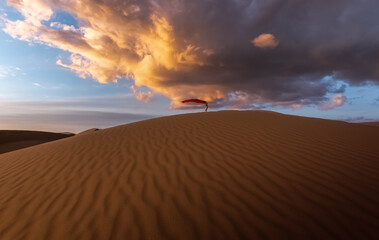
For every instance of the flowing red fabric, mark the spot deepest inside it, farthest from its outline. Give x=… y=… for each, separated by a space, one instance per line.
x=194 y=100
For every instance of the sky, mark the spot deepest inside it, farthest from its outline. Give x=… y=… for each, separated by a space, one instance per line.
x=71 y=65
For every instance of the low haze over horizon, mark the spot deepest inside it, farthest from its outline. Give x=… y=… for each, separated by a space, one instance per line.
x=70 y=65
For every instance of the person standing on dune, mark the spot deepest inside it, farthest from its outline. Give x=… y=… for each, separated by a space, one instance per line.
x=197 y=101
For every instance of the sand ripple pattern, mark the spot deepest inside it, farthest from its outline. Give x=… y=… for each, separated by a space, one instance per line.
x=215 y=175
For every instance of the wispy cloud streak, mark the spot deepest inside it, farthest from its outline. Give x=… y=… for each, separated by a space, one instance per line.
x=8 y=71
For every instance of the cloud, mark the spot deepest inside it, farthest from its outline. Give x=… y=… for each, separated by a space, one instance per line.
x=202 y=49
x=8 y=71
x=355 y=119
x=338 y=100
x=73 y=114
x=69 y=121
x=265 y=40
x=142 y=96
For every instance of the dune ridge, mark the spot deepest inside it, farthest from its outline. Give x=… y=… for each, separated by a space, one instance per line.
x=376 y=124
x=11 y=140
x=215 y=175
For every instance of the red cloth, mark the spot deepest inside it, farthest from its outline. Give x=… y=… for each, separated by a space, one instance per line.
x=194 y=100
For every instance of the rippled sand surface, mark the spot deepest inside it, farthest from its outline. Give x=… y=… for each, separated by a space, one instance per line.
x=215 y=175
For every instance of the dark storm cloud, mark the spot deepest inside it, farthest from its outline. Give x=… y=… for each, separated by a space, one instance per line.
x=246 y=53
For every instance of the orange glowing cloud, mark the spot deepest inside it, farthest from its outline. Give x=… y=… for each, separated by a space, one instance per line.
x=112 y=44
x=265 y=40
x=142 y=96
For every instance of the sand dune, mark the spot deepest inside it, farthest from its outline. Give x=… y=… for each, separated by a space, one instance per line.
x=215 y=175
x=88 y=131
x=14 y=140
x=376 y=124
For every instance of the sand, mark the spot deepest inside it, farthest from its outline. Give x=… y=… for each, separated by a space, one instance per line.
x=14 y=140
x=215 y=175
x=89 y=131
x=376 y=124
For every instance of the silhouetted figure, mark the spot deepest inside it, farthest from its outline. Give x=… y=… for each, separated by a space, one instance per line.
x=197 y=101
